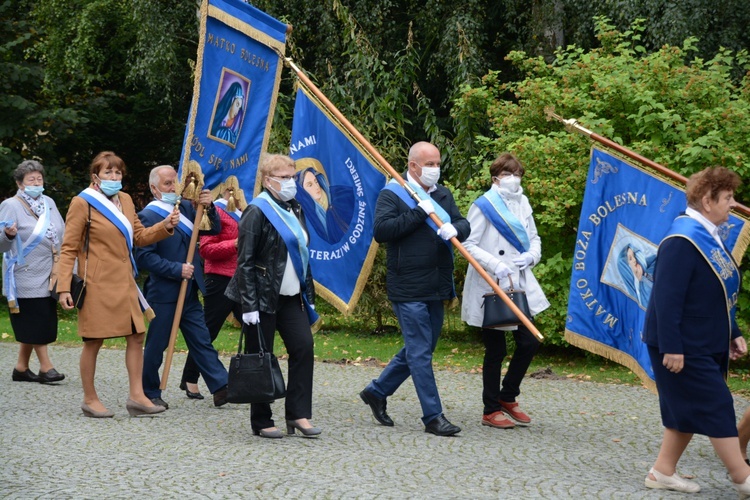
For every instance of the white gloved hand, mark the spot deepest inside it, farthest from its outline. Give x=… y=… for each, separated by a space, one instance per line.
x=502 y=271
x=523 y=261
x=251 y=318
x=447 y=231
x=427 y=206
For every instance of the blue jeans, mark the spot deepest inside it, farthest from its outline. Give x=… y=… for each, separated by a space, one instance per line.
x=420 y=323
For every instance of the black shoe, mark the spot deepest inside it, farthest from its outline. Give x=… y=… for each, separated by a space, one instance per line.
x=220 y=397
x=50 y=376
x=441 y=427
x=160 y=402
x=377 y=405
x=191 y=395
x=27 y=376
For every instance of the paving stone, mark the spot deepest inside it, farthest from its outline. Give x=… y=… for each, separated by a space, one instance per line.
x=586 y=440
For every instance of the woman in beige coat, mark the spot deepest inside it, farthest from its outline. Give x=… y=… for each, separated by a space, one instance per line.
x=113 y=304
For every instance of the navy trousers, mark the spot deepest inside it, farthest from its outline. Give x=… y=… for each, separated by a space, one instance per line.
x=197 y=338
x=216 y=307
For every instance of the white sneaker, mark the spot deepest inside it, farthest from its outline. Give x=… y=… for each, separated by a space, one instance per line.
x=673 y=482
x=743 y=489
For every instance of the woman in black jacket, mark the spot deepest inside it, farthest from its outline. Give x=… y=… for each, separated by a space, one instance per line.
x=274 y=285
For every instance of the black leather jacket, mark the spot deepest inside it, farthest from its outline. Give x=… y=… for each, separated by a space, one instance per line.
x=261 y=261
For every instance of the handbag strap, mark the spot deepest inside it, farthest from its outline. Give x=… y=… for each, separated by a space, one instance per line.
x=511 y=283
x=86 y=247
x=261 y=342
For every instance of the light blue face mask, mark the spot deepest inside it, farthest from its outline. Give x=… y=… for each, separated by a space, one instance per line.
x=110 y=188
x=170 y=198
x=33 y=191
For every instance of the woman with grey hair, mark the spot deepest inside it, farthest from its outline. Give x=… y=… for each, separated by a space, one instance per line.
x=30 y=242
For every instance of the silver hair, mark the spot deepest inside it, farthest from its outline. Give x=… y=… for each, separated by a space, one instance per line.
x=26 y=167
x=153 y=177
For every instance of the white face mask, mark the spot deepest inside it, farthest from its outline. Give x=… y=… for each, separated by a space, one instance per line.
x=288 y=189
x=511 y=183
x=430 y=176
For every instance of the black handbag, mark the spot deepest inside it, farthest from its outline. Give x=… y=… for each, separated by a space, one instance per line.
x=78 y=284
x=254 y=377
x=497 y=313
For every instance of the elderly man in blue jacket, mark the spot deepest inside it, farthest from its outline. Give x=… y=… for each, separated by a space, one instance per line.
x=419 y=278
x=166 y=263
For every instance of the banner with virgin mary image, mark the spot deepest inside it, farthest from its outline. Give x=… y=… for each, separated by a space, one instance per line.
x=237 y=76
x=337 y=185
x=626 y=211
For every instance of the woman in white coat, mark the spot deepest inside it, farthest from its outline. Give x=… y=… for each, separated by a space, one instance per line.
x=505 y=242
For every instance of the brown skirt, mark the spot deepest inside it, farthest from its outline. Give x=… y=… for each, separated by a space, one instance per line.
x=37 y=321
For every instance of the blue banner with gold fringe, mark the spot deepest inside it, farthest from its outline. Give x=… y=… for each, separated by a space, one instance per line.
x=238 y=70
x=338 y=183
x=626 y=212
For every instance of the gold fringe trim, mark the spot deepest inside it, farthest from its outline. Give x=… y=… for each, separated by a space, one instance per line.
x=150 y=314
x=13 y=306
x=743 y=240
x=245 y=28
x=612 y=354
x=322 y=107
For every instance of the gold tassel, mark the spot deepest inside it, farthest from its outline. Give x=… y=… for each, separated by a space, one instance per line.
x=205 y=222
x=13 y=306
x=191 y=181
x=231 y=202
x=189 y=192
x=150 y=314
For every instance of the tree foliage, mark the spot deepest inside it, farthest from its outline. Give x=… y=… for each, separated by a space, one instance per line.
x=684 y=116
x=81 y=76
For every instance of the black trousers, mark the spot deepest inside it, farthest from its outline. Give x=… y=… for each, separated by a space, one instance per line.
x=495 y=350
x=294 y=328
x=216 y=308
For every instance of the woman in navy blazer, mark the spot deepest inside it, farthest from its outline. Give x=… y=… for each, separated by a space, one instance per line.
x=691 y=333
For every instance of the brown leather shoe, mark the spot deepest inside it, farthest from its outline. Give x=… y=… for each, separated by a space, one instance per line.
x=514 y=411
x=220 y=397
x=498 y=420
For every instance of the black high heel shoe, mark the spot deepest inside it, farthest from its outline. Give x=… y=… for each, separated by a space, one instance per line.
x=306 y=431
x=191 y=395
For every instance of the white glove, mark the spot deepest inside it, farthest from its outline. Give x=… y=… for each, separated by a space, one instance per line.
x=427 y=206
x=251 y=318
x=447 y=231
x=502 y=271
x=523 y=261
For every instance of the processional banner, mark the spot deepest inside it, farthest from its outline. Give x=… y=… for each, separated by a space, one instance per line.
x=338 y=183
x=237 y=75
x=626 y=211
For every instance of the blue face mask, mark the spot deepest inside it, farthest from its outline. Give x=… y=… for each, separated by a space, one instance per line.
x=33 y=191
x=170 y=198
x=110 y=188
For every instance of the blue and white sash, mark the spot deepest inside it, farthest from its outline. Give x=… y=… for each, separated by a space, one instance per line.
x=497 y=212
x=108 y=209
x=164 y=209
x=222 y=204
x=401 y=192
x=290 y=230
x=18 y=255
x=716 y=255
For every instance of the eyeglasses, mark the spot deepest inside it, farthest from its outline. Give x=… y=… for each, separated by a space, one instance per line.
x=281 y=177
x=509 y=174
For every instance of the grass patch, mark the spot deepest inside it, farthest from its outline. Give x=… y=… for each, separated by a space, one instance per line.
x=352 y=341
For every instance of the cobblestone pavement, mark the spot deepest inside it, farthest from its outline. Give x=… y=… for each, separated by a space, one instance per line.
x=586 y=441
